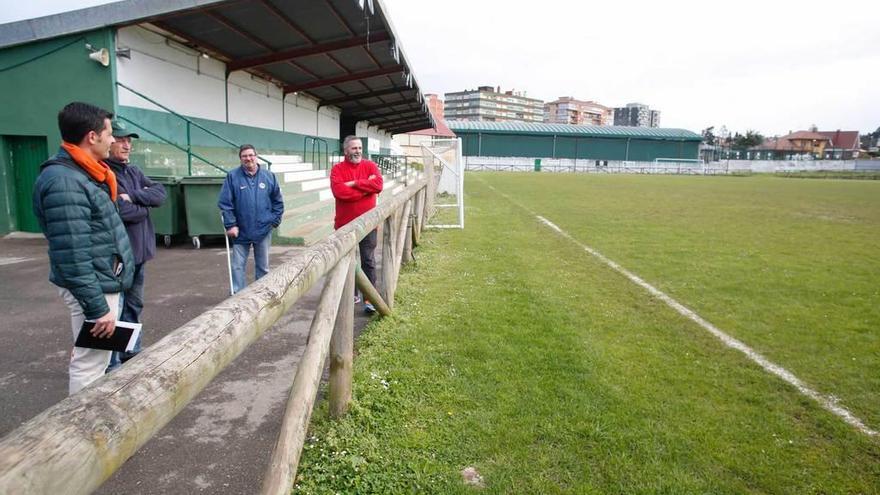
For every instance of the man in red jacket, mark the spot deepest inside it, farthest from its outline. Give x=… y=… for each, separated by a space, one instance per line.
x=355 y=183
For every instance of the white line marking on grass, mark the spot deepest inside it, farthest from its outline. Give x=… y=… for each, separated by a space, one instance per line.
x=829 y=403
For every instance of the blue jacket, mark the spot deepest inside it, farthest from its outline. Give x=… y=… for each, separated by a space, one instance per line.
x=253 y=204
x=89 y=252
x=145 y=194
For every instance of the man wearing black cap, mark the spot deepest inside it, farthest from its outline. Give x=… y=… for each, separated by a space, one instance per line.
x=137 y=194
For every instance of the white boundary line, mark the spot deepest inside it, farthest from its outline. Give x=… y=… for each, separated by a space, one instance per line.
x=827 y=402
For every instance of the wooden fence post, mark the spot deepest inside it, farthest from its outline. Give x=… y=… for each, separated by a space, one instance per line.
x=408 y=241
x=388 y=261
x=402 y=222
x=371 y=293
x=281 y=471
x=342 y=348
x=420 y=216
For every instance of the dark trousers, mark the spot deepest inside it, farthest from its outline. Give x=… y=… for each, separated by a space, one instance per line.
x=132 y=305
x=367 y=248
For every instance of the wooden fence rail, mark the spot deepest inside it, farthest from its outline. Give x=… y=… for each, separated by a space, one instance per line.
x=77 y=444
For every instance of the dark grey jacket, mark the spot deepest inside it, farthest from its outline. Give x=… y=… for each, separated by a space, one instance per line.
x=145 y=194
x=89 y=252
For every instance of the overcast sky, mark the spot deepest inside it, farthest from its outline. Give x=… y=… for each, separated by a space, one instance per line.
x=771 y=65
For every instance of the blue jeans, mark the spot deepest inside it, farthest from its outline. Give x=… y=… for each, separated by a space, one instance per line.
x=132 y=305
x=239 y=261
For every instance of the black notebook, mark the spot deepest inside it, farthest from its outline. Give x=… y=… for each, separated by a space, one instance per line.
x=124 y=337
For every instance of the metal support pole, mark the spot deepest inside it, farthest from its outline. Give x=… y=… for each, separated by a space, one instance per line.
x=189 y=156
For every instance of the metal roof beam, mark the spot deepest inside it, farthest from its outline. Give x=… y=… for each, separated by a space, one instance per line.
x=361 y=96
x=350 y=29
x=341 y=79
x=408 y=128
x=402 y=121
x=387 y=107
x=393 y=116
x=305 y=51
x=287 y=20
x=238 y=30
x=196 y=42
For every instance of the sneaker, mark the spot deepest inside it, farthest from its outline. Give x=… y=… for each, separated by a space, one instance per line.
x=369 y=308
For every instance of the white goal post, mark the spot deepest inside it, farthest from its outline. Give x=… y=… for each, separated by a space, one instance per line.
x=444 y=163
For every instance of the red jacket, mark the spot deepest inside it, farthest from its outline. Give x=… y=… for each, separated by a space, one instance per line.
x=354 y=201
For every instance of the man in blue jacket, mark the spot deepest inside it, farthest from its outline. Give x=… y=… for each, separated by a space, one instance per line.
x=137 y=195
x=251 y=203
x=90 y=258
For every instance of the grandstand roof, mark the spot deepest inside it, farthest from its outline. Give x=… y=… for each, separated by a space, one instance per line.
x=659 y=133
x=342 y=53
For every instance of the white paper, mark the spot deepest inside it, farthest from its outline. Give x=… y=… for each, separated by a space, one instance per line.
x=136 y=332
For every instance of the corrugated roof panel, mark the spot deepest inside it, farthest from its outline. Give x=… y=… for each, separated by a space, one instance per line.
x=572 y=130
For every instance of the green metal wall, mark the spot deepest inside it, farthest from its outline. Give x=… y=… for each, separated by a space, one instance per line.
x=7 y=190
x=531 y=146
x=36 y=81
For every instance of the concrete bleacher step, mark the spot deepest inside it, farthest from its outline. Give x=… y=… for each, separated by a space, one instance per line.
x=305 y=175
x=307 y=213
x=295 y=199
x=306 y=234
x=274 y=159
x=281 y=168
x=314 y=185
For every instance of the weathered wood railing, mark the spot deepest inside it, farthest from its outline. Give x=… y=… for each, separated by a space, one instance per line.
x=77 y=444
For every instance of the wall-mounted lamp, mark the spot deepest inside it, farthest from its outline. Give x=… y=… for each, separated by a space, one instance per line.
x=101 y=56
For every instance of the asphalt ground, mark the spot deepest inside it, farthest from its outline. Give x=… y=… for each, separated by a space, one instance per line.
x=219 y=443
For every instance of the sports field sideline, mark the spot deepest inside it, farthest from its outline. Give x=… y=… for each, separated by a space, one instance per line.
x=556 y=371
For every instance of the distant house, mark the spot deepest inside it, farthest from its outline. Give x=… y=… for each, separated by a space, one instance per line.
x=809 y=145
x=844 y=144
x=410 y=143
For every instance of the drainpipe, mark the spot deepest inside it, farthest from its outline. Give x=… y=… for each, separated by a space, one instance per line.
x=226 y=95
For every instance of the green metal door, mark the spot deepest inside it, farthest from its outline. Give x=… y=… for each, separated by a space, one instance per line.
x=27 y=154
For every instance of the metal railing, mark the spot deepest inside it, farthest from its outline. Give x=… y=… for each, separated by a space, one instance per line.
x=190 y=154
x=393 y=166
x=313 y=154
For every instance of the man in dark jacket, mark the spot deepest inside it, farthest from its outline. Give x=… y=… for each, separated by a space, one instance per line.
x=251 y=203
x=137 y=194
x=90 y=258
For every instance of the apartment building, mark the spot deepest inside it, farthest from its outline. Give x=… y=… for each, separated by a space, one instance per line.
x=636 y=115
x=568 y=110
x=492 y=105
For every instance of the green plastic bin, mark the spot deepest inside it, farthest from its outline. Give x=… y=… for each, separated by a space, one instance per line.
x=169 y=219
x=537 y=164
x=202 y=214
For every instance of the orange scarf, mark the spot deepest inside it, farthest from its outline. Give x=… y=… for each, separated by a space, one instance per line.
x=97 y=170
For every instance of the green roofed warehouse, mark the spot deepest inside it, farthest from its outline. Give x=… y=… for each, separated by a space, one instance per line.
x=616 y=143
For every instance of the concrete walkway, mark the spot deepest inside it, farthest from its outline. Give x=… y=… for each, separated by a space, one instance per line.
x=221 y=442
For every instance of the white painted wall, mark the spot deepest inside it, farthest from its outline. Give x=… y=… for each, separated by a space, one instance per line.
x=786 y=165
x=363 y=129
x=170 y=74
x=411 y=144
x=524 y=164
x=181 y=79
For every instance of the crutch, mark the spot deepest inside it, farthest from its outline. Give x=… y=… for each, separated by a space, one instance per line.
x=228 y=257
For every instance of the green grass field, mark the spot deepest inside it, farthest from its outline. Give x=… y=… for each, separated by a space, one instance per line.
x=516 y=352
